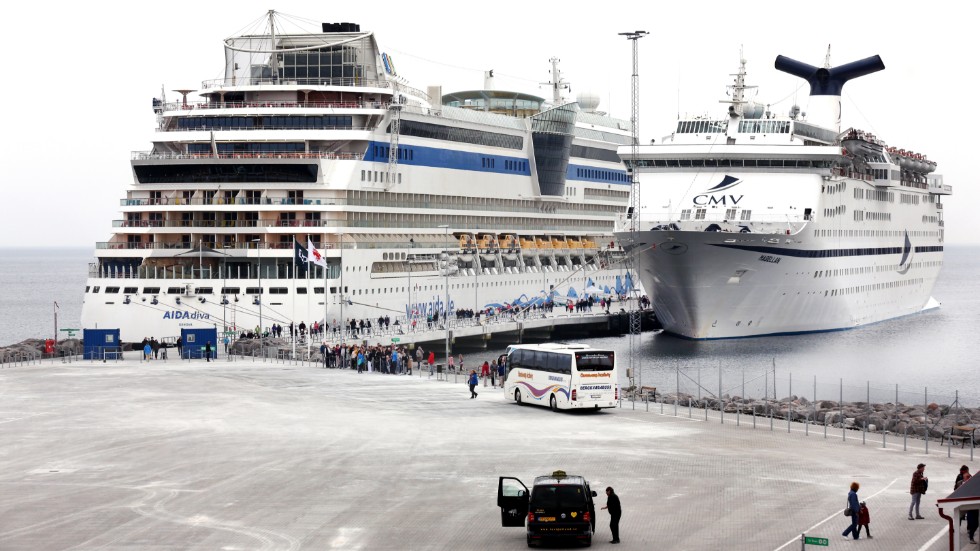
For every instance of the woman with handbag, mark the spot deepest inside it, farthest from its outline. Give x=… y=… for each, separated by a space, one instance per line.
x=852 y=510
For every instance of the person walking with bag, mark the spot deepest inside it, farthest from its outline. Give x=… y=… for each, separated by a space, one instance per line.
x=919 y=485
x=473 y=381
x=853 y=510
x=615 y=512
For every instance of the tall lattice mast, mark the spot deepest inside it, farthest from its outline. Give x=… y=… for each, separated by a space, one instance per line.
x=633 y=259
x=395 y=108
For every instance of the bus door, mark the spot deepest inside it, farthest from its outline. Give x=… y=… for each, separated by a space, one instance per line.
x=513 y=499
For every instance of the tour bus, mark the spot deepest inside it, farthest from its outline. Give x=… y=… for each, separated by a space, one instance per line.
x=562 y=376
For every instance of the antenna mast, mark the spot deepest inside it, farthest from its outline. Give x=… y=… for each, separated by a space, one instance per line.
x=557 y=83
x=633 y=259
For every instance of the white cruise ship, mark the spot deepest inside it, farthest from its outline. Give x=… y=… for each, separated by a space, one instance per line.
x=503 y=197
x=753 y=224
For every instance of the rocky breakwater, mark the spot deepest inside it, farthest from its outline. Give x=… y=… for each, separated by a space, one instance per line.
x=267 y=347
x=33 y=349
x=919 y=420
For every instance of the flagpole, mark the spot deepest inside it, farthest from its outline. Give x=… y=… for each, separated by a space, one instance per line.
x=293 y=321
x=308 y=293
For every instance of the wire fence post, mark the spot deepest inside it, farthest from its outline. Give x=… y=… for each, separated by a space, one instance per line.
x=789 y=409
x=738 y=410
x=867 y=409
x=677 y=395
x=843 y=431
x=926 y=413
x=721 y=407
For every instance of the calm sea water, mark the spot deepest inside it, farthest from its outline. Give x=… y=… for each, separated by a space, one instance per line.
x=932 y=352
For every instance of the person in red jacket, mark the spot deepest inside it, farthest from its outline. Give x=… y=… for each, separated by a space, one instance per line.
x=485 y=372
x=432 y=361
x=864 y=520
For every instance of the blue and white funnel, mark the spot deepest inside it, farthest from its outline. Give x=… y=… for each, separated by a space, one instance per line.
x=826 y=84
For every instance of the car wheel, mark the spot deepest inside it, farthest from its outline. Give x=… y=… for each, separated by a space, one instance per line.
x=587 y=542
x=554 y=403
x=517 y=397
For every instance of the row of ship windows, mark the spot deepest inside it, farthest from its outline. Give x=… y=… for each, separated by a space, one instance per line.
x=247 y=147
x=839 y=209
x=313 y=122
x=299 y=290
x=873 y=287
x=873 y=269
x=378 y=176
x=733 y=163
x=403 y=153
x=875 y=195
x=456 y=134
x=730 y=214
x=909 y=199
x=860 y=216
x=606 y=175
x=874 y=233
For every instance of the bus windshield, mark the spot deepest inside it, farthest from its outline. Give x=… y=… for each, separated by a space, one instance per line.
x=595 y=361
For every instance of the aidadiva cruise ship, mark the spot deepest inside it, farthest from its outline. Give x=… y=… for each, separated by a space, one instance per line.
x=311 y=147
x=753 y=224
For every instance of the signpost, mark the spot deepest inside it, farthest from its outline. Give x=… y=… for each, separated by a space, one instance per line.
x=810 y=540
x=395 y=339
x=71 y=332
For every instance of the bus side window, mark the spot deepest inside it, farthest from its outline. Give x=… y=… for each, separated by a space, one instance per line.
x=564 y=364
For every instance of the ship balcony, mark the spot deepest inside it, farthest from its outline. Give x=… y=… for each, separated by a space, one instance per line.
x=228 y=223
x=214 y=105
x=940 y=189
x=218 y=201
x=150 y=156
x=302 y=84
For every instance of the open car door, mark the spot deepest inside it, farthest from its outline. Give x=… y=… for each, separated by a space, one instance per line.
x=513 y=499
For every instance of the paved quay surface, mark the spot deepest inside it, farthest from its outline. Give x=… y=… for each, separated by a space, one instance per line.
x=251 y=456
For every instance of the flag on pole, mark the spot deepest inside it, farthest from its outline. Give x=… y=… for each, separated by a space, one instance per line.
x=299 y=258
x=315 y=255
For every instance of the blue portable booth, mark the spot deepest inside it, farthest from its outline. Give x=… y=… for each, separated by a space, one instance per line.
x=195 y=340
x=100 y=344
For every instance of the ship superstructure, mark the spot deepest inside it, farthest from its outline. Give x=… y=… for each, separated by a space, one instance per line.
x=755 y=224
x=314 y=139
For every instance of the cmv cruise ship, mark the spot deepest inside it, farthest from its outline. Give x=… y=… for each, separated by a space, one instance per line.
x=312 y=183
x=754 y=224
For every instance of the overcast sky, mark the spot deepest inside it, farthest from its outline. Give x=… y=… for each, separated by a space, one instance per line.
x=81 y=76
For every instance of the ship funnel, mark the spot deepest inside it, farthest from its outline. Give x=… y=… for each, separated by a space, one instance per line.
x=826 y=84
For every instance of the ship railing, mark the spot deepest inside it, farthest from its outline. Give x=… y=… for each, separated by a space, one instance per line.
x=354 y=82
x=149 y=155
x=193 y=105
x=649 y=220
x=844 y=172
x=228 y=223
x=215 y=201
x=247 y=128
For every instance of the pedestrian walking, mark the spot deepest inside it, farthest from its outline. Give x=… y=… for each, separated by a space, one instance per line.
x=452 y=364
x=864 y=520
x=962 y=477
x=853 y=510
x=493 y=374
x=501 y=372
x=615 y=512
x=485 y=372
x=920 y=483
x=474 y=380
x=432 y=362
x=207 y=350
x=972 y=522
x=180 y=347
x=147 y=351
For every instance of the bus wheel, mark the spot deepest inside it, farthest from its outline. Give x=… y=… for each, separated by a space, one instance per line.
x=517 y=397
x=554 y=403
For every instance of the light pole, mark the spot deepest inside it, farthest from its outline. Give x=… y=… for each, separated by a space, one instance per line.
x=258 y=252
x=445 y=306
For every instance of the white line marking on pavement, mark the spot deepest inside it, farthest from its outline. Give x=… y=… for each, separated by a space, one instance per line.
x=835 y=515
x=943 y=532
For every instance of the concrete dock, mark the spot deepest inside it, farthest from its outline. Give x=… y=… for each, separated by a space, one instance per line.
x=249 y=455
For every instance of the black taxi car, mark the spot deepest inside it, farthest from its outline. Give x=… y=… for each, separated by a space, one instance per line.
x=558 y=506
